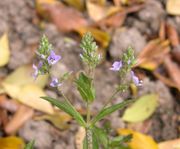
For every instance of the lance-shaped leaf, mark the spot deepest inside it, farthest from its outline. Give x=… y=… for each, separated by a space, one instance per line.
x=68 y=108
x=106 y=111
x=85 y=88
x=101 y=136
x=30 y=145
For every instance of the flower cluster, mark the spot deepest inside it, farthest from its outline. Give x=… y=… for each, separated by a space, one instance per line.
x=124 y=66
x=90 y=55
x=47 y=58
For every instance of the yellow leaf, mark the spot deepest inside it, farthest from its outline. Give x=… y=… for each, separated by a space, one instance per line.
x=139 y=140
x=102 y=37
x=98 y=12
x=4 y=50
x=30 y=95
x=12 y=85
x=173 y=7
x=141 y=109
x=79 y=4
x=11 y=143
x=58 y=119
x=40 y=6
x=171 y=144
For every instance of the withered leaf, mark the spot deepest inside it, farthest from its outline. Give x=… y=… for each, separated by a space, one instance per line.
x=65 y=18
x=173 y=70
x=23 y=114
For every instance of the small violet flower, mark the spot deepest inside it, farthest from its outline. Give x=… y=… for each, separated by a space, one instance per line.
x=36 y=69
x=135 y=79
x=116 y=66
x=55 y=83
x=53 y=58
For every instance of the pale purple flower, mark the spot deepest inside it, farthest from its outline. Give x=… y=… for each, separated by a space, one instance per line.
x=36 y=69
x=53 y=58
x=55 y=83
x=135 y=79
x=116 y=66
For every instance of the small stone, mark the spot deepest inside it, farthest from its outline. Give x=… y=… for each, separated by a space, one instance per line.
x=152 y=14
x=40 y=131
x=124 y=38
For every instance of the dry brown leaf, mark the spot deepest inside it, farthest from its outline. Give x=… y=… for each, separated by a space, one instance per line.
x=173 y=70
x=165 y=80
x=3 y=117
x=176 y=53
x=118 y=18
x=23 y=114
x=171 y=144
x=153 y=54
x=65 y=18
x=9 y=105
x=115 y=20
x=162 y=30
x=172 y=35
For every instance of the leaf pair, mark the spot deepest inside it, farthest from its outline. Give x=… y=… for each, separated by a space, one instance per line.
x=85 y=88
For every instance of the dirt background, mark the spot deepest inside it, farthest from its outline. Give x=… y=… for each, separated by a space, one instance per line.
x=20 y=19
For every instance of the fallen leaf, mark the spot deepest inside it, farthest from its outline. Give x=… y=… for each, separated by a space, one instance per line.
x=141 y=109
x=4 y=50
x=176 y=54
x=39 y=4
x=58 y=119
x=22 y=115
x=139 y=140
x=115 y=20
x=170 y=144
x=65 y=18
x=162 y=30
x=172 y=35
x=78 y=4
x=165 y=80
x=102 y=37
x=30 y=95
x=8 y=104
x=172 y=7
x=98 y=12
x=12 y=85
x=3 y=118
x=153 y=54
x=173 y=70
x=11 y=142
x=80 y=137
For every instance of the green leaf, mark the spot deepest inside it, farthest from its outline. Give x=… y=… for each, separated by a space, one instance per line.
x=85 y=88
x=116 y=141
x=30 y=145
x=142 y=109
x=101 y=136
x=68 y=108
x=106 y=111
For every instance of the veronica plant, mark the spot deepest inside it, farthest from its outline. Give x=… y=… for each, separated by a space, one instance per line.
x=95 y=136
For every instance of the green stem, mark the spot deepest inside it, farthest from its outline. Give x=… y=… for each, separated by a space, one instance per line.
x=88 y=113
x=110 y=99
